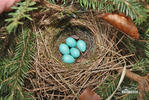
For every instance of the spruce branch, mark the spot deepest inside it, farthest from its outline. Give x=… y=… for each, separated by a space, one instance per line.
x=147 y=44
x=108 y=86
x=15 y=69
x=136 y=10
x=131 y=8
x=22 y=11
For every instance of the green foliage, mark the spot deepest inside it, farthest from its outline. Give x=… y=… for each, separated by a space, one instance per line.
x=129 y=97
x=143 y=61
x=108 y=86
x=54 y=1
x=22 y=10
x=141 y=66
x=128 y=90
x=100 y=5
x=14 y=70
x=147 y=44
x=146 y=96
x=131 y=8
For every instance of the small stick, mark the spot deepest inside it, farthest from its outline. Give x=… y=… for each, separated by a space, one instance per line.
x=143 y=82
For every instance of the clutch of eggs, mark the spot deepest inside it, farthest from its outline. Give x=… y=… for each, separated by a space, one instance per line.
x=69 y=51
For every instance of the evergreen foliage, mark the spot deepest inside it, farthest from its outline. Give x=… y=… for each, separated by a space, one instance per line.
x=147 y=45
x=109 y=85
x=143 y=61
x=131 y=8
x=22 y=11
x=13 y=70
x=129 y=97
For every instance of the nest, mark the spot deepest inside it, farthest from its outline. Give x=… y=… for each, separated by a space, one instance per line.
x=51 y=79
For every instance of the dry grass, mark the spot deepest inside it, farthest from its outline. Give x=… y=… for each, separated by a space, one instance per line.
x=51 y=79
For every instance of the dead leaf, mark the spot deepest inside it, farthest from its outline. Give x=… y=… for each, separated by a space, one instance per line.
x=89 y=95
x=122 y=22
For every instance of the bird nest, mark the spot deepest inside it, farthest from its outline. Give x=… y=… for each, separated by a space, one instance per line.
x=51 y=79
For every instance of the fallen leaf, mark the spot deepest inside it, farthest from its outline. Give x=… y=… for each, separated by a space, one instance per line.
x=122 y=22
x=89 y=95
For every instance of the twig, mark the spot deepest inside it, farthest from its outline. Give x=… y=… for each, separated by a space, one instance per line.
x=58 y=8
x=143 y=82
x=121 y=80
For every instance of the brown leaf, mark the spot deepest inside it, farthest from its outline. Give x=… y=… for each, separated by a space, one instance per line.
x=89 y=95
x=122 y=22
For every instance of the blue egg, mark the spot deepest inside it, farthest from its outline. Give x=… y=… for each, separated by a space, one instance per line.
x=68 y=59
x=75 y=52
x=81 y=45
x=71 y=42
x=64 y=49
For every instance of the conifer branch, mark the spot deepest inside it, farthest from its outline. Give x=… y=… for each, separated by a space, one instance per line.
x=17 y=71
x=131 y=8
x=22 y=10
